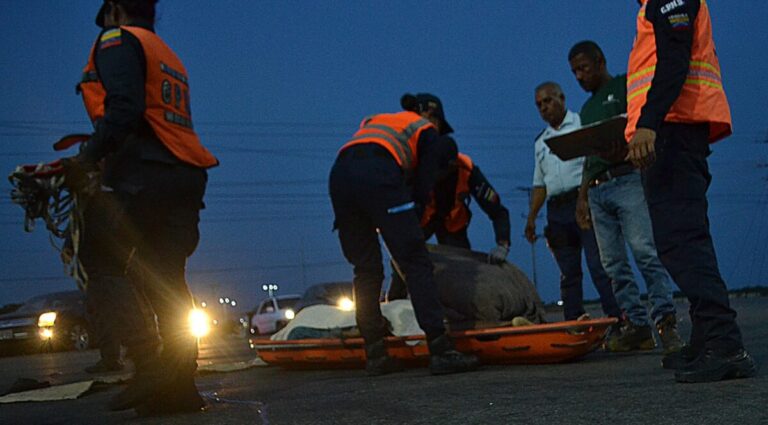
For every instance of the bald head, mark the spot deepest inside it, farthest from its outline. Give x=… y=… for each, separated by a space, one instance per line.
x=550 y=101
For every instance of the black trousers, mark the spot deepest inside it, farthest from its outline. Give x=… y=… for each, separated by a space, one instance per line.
x=459 y=239
x=156 y=230
x=103 y=251
x=368 y=192
x=676 y=190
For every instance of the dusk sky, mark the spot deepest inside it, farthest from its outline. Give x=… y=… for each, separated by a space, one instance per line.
x=278 y=87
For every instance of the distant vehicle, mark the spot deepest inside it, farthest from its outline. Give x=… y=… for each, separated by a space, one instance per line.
x=52 y=321
x=273 y=314
x=339 y=294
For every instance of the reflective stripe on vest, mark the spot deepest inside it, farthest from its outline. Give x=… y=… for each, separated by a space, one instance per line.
x=702 y=98
x=398 y=133
x=459 y=216
x=167 y=99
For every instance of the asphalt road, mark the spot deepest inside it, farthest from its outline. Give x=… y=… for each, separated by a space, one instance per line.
x=599 y=389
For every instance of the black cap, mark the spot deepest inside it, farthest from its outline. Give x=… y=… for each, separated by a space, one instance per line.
x=431 y=102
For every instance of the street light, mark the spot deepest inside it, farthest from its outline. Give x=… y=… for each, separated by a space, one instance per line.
x=269 y=288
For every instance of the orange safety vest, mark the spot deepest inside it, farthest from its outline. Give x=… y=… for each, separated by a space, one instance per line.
x=166 y=97
x=458 y=217
x=398 y=133
x=702 y=99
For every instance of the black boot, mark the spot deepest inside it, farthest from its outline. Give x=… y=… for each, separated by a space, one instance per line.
x=146 y=383
x=710 y=366
x=444 y=358
x=378 y=362
x=178 y=396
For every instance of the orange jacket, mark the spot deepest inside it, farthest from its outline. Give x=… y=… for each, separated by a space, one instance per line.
x=398 y=133
x=166 y=96
x=458 y=217
x=701 y=100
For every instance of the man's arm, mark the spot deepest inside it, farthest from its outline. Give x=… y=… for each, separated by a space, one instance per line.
x=431 y=160
x=490 y=202
x=121 y=67
x=673 y=29
x=538 y=196
x=583 y=218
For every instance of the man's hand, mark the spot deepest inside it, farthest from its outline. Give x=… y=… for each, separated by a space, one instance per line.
x=615 y=153
x=78 y=174
x=642 y=150
x=530 y=230
x=583 y=216
x=498 y=254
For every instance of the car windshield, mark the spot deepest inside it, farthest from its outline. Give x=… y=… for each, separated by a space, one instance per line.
x=45 y=302
x=287 y=303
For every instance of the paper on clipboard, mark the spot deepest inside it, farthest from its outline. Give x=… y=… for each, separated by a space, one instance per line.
x=590 y=139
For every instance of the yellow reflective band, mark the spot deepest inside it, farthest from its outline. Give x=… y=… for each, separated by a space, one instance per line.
x=638 y=92
x=706 y=65
x=703 y=83
x=640 y=73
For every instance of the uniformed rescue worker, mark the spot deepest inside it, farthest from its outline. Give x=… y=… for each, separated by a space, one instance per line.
x=447 y=216
x=369 y=191
x=457 y=191
x=676 y=107
x=136 y=92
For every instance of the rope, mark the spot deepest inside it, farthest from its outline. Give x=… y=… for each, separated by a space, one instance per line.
x=41 y=191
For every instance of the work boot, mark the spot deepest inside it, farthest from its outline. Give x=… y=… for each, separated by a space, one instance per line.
x=180 y=396
x=670 y=338
x=378 y=362
x=711 y=367
x=633 y=337
x=444 y=358
x=145 y=384
x=613 y=334
x=104 y=366
x=679 y=359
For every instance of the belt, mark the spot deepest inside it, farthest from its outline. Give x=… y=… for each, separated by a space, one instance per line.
x=365 y=150
x=611 y=173
x=563 y=198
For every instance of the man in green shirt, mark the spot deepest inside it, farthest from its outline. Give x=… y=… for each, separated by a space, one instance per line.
x=611 y=195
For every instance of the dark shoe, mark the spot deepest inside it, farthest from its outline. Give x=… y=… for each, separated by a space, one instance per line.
x=378 y=362
x=712 y=367
x=444 y=359
x=176 y=398
x=670 y=338
x=613 y=334
x=146 y=383
x=678 y=359
x=633 y=337
x=105 y=367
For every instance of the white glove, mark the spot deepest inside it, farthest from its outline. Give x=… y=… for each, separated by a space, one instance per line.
x=498 y=254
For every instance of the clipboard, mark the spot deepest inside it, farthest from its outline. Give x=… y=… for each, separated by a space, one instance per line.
x=589 y=140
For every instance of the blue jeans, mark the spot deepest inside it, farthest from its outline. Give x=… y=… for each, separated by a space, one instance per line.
x=620 y=216
x=566 y=240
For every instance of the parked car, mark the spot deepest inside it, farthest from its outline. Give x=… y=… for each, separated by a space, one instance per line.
x=52 y=321
x=273 y=314
x=332 y=293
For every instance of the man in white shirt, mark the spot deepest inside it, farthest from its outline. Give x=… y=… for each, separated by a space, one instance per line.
x=557 y=182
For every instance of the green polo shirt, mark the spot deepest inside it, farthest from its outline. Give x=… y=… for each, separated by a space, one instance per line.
x=607 y=102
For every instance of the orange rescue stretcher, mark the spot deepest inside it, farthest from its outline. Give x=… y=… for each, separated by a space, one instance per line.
x=535 y=344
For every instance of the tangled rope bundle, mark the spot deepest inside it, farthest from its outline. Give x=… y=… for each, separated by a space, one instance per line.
x=42 y=190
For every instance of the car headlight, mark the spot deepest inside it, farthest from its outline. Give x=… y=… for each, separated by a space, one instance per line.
x=345 y=304
x=46 y=319
x=290 y=314
x=46 y=333
x=198 y=323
